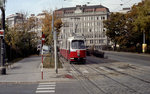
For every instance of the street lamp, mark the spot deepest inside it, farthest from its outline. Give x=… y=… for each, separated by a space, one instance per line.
x=2 y=54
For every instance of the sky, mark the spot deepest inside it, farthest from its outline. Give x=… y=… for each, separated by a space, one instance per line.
x=36 y=6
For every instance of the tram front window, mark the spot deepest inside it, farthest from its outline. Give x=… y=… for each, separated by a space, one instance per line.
x=78 y=44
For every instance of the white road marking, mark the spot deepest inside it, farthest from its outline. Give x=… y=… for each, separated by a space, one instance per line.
x=85 y=71
x=117 y=69
x=46 y=87
x=105 y=69
x=48 y=91
x=47 y=83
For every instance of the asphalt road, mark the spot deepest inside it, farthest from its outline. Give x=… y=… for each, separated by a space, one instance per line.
x=133 y=58
x=42 y=88
x=11 y=88
x=121 y=73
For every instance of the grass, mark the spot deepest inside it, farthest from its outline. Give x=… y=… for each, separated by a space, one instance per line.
x=48 y=62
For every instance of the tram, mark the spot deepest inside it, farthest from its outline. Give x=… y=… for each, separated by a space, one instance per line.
x=73 y=49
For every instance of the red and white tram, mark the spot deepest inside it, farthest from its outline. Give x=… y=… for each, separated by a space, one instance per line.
x=73 y=49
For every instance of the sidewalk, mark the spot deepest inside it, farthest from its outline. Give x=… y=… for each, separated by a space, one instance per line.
x=28 y=71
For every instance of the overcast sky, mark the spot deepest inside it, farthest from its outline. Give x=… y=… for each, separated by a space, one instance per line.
x=36 y=6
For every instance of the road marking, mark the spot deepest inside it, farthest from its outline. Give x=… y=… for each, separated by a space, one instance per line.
x=85 y=71
x=117 y=69
x=105 y=69
x=47 y=83
x=46 y=87
x=49 y=91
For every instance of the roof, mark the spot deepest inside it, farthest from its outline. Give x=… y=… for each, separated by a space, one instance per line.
x=83 y=7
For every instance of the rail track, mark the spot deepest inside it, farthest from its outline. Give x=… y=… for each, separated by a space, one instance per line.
x=109 y=84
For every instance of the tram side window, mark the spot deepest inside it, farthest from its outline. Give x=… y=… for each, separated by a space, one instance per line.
x=78 y=44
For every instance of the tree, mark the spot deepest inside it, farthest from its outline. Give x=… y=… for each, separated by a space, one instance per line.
x=126 y=29
x=47 y=26
x=20 y=40
x=142 y=21
x=115 y=26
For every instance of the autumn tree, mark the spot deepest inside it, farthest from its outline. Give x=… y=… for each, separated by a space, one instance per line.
x=127 y=29
x=20 y=40
x=47 y=26
x=115 y=26
x=142 y=21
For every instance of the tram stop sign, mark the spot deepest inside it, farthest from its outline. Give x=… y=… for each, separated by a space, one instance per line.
x=1 y=33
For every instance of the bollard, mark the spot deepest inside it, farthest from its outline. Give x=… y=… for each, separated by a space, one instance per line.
x=3 y=71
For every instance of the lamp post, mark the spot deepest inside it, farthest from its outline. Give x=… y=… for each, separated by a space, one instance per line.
x=144 y=45
x=55 y=44
x=2 y=51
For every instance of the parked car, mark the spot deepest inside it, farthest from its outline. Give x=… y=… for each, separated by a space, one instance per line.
x=45 y=49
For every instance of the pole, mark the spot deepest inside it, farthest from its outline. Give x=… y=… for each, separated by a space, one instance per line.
x=42 y=67
x=55 y=44
x=3 y=71
x=143 y=37
x=144 y=45
x=42 y=56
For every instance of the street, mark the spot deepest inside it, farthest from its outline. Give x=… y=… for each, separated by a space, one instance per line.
x=141 y=59
x=120 y=73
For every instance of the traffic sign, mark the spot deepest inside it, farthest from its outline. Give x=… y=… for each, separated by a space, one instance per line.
x=43 y=38
x=1 y=32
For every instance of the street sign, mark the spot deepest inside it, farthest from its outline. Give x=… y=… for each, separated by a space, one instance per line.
x=43 y=38
x=1 y=32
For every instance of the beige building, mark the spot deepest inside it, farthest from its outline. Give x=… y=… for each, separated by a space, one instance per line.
x=19 y=18
x=15 y=19
x=87 y=21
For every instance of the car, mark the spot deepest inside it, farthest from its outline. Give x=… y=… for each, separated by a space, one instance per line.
x=45 y=49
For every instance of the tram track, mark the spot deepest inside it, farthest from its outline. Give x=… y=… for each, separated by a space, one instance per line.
x=120 y=83
x=125 y=73
x=100 y=73
x=89 y=86
x=147 y=82
x=84 y=80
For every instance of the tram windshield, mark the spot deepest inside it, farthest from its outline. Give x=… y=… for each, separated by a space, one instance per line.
x=78 y=44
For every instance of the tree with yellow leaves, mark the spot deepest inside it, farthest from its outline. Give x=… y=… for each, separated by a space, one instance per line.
x=47 y=26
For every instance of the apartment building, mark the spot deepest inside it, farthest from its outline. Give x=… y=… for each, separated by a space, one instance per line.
x=19 y=18
x=15 y=19
x=87 y=21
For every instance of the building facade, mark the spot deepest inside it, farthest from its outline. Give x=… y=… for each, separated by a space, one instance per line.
x=125 y=10
x=87 y=21
x=19 y=18
x=15 y=19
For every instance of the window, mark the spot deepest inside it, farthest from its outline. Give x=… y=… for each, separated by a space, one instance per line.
x=97 y=18
x=90 y=30
x=91 y=18
x=78 y=44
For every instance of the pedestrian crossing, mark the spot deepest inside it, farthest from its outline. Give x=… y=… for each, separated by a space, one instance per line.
x=44 y=88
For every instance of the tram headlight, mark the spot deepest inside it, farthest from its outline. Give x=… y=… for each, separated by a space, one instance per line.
x=71 y=58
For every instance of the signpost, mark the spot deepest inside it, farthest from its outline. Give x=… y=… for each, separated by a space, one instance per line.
x=2 y=35
x=43 y=40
